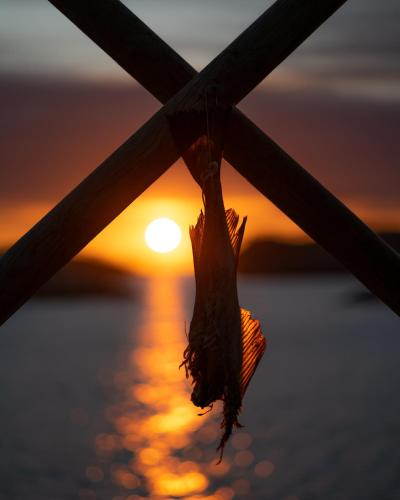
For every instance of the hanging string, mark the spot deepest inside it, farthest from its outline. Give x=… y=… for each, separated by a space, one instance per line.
x=212 y=166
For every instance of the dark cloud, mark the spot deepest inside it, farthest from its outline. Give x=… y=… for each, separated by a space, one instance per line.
x=360 y=42
x=334 y=104
x=54 y=134
x=355 y=51
x=349 y=144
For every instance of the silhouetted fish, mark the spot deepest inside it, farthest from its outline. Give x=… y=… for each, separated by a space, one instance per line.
x=225 y=343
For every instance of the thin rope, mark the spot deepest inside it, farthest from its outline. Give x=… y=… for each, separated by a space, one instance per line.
x=212 y=167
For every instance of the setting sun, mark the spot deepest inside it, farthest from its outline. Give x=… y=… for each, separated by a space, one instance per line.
x=163 y=235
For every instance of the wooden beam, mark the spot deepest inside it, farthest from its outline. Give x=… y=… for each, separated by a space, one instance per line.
x=262 y=162
x=129 y=42
x=90 y=207
x=313 y=208
x=147 y=58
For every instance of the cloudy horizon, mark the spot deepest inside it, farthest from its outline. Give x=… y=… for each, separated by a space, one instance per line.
x=334 y=105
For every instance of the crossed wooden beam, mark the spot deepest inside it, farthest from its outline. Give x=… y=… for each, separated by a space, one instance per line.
x=147 y=154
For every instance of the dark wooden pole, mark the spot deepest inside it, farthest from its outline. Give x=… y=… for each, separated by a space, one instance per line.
x=90 y=207
x=148 y=59
x=313 y=208
x=262 y=162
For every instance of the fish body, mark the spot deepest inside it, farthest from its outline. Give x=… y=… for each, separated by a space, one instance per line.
x=225 y=343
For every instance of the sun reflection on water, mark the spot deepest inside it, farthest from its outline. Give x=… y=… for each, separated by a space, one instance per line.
x=158 y=420
x=159 y=447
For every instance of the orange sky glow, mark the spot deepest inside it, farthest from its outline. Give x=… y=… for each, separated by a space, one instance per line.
x=334 y=106
x=122 y=242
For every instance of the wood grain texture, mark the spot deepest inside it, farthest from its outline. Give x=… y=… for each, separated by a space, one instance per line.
x=262 y=162
x=90 y=207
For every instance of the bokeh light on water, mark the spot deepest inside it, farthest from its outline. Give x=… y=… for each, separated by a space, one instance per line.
x=85 y=417
x=159 y=446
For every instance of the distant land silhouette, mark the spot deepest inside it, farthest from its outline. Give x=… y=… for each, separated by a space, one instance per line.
x=88 y=277
x=265 y=256
x=94 y=277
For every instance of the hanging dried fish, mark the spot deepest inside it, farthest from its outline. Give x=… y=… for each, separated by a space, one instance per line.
x=225 y=343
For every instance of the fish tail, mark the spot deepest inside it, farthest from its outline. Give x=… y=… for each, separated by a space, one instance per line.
x=229 y=421
x=253 y=347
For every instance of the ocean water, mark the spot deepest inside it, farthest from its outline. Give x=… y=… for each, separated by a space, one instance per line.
x=94 y=407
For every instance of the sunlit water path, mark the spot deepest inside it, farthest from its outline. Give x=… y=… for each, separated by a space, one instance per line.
x=94 y=406
x=173 y=448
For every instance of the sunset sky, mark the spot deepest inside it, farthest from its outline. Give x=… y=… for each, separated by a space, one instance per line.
x=334 y=105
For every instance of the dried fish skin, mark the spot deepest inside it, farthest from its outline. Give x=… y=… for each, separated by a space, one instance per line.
x=225 y=343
